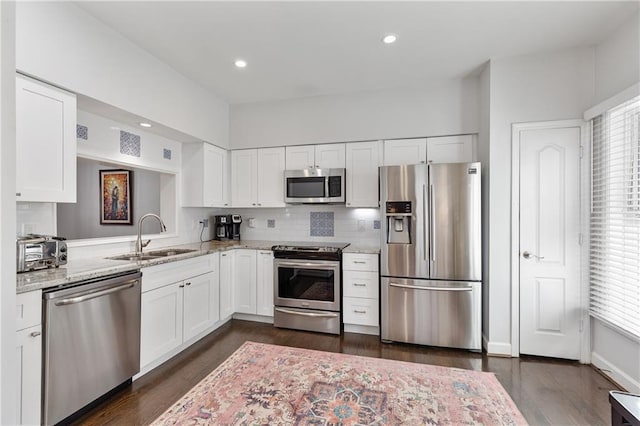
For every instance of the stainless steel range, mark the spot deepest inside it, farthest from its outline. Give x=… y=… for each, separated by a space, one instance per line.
x=307 y=280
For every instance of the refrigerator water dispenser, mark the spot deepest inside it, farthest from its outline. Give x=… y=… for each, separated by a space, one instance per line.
x=398 y=222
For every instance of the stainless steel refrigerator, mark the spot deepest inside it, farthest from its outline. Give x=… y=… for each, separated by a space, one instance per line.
x=431 y=258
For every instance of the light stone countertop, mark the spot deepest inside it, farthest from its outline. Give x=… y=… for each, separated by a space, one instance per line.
x=362 y=248
x=77 y=270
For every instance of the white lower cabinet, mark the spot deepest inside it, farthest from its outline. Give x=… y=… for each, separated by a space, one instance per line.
x=264 y=283
x=361 y=290
x=29 y=357
x=227 y=306
x=253 y=277
x=179 y=302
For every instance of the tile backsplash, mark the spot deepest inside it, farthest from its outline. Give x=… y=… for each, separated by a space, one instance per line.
x=321 y=224
x=314 y=222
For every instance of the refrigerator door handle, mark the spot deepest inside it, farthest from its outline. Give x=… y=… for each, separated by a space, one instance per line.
x=424 y=225
x=415 y=287
x=432 y=221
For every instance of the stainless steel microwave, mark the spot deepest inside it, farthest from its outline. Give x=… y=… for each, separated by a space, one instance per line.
x=314 y=186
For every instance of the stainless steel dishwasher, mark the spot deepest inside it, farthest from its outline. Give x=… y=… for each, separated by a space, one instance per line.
x=91 y=342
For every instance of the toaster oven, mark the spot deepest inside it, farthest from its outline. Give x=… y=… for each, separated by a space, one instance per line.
x=40 y=252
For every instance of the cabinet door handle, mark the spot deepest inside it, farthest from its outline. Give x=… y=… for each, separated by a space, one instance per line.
x=259 y=204
x=253 y=204
x=181 y=286
x=359 y=311
x=35 y=333
x=188 y=283
x=359 y=285
x=18 y=194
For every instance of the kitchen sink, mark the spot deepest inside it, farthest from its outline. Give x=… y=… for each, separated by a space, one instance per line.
x=134 y=257
x=169 y=252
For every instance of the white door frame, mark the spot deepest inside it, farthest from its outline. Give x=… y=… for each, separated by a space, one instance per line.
x=585 y=188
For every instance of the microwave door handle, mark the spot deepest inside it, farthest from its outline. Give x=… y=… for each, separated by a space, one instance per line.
x=326 y=187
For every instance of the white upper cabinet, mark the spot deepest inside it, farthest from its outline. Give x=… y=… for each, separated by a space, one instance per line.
x=441 y=149
x=244 y=175
x=257 y=177
x=45 y=142
x=271 y=165
x=450 y=149
x=327 y=156
x=362 y=159
x=300 y=157
x=330 y=156
x=405 y=151
x=205 y=178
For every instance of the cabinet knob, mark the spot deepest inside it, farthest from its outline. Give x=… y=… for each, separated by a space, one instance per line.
x=188 y=283
x=226 y=204
x=35 y=333
x=259 y=204
x=181 y=286
x=18 y=194
x=253 y=204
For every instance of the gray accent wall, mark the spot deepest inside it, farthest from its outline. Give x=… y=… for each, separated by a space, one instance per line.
x=81 y=220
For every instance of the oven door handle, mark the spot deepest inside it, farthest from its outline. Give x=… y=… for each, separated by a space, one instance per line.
x=314 y=265
x=308 y=314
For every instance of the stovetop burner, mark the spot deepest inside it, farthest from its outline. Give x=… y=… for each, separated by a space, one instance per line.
x=328 y=251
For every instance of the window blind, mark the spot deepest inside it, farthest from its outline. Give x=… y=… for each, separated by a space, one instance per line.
x=615 y=217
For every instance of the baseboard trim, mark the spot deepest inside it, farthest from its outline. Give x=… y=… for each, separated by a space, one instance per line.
x=614 y=373
x=362 y=329
x=251 y=317
x=498 y=349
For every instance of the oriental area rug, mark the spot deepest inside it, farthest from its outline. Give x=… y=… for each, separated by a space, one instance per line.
x=262 y=384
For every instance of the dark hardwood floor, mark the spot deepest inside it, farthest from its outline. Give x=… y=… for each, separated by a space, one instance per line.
x=546 y=391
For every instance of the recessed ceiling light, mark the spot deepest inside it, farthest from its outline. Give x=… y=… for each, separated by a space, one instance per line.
x=143 y=124
x=240 y=63
x=389 y=38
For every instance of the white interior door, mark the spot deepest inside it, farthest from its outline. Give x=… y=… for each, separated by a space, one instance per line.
x=550 y=308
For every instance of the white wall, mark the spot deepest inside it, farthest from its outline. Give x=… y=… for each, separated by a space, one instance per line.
x=8 y=373
x=103 y=143
x=617 y=67
x=617 y=60
x=444 y=108
x=484 y=158
x=553 y=86
x=60 y=43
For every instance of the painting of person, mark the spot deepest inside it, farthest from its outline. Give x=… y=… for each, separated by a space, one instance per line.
x=115 y=186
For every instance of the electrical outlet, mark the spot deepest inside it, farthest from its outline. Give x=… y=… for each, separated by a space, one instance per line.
x=205 y=223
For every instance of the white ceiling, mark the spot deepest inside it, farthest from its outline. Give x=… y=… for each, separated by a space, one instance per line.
x=298 y=49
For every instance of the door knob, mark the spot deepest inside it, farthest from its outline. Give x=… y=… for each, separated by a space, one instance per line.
x=528 y=255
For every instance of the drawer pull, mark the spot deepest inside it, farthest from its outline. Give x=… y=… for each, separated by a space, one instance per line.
x=359 y=285
x=362 y=262
x=35 y=333
x=359 y=311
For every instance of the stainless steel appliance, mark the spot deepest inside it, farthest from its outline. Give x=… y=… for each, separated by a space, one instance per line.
x=35 y=251
x=91 y=342
x=431 y=262
x=307 y=281
x=227 y=227
x=314 y=186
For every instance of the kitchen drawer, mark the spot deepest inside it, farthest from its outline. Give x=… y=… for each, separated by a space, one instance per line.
x=360 y=284
x=28 y=309
x=360 y=262
x=168 y=273
x=360 y=311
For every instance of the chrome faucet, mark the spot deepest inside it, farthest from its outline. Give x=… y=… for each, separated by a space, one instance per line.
x=139 y=244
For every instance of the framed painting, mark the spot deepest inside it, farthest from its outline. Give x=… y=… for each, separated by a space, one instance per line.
x=115 y=197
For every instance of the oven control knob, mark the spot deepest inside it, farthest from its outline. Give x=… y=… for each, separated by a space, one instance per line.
x=63 y=257
x=63 y=249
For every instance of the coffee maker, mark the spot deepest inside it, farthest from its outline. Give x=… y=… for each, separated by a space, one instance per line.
x=227 y=227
